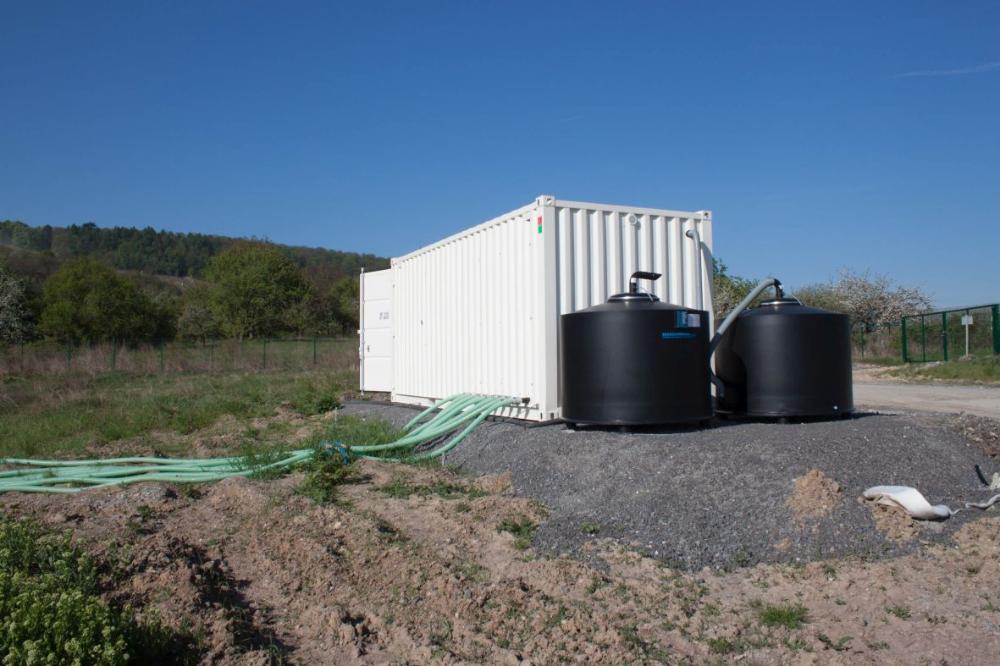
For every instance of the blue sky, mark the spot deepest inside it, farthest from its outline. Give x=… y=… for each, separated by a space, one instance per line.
x=822 y=135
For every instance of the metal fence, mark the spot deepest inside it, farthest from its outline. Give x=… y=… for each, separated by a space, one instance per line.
x=177 y=357
x=944 y=335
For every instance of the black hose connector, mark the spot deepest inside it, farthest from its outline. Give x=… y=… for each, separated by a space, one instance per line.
x=633 y=287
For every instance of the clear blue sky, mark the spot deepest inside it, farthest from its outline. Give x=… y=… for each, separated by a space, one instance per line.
x=822 y=135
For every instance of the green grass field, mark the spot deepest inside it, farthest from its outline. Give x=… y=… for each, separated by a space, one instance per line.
x=68 y=414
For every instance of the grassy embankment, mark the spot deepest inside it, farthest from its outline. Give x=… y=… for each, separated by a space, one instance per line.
x=976 y=370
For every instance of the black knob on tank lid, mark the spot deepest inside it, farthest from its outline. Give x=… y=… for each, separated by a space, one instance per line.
x=633 y=293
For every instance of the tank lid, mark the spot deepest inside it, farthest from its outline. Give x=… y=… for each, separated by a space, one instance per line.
x=778 y=302
x=633 y=296
x=786 y=306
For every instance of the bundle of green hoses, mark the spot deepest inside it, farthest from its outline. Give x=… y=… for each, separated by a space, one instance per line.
x=456 y=416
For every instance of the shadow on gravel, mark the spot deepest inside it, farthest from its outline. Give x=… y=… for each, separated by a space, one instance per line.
x=719 y=421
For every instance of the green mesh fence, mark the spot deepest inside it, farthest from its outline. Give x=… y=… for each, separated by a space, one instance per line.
x=943 y=335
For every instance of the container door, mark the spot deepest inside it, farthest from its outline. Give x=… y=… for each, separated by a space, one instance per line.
x=376 y=331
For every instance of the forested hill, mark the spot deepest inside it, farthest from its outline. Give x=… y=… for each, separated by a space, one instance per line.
x=167 y=252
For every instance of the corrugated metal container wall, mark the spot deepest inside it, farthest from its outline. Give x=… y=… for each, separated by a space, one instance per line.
x=479 y=311
x=467 y=312
x=599 y=247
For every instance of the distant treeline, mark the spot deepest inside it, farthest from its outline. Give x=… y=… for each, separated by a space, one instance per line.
x=170 y=253
x=84 y=284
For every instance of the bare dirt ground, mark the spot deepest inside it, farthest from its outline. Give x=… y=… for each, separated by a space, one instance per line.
x=411 y=566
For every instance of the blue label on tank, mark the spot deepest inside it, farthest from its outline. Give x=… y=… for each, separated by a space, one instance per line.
x=675 y=335
x=681 y=319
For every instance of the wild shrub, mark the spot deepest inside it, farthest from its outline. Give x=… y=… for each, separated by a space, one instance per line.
x=51 y=611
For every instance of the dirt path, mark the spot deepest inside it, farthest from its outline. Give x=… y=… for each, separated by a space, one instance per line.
x=978 y=400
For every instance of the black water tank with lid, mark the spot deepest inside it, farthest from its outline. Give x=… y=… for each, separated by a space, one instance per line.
x=783 y=358
x=634 y=361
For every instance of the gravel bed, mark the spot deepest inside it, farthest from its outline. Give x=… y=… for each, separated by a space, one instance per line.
x=718 y=496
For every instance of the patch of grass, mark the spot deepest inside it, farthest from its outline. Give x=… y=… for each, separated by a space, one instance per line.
x=401 y=489
x=630 y=635
x=741 y=559
x=387 y=530
x=790 y=616
x=726 y=645
x=975 y=369
x=349 y=430
x=596 y=583
x=902 y=612
x=839 y=645
x=51 y=610
x=323 y=478
x=590 y=528
x=522 y=528
x=64 y=414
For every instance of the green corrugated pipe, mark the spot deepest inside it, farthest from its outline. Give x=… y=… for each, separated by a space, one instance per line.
x=69 y=476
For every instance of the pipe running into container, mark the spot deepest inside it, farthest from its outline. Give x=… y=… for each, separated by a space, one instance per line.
x=693 y=234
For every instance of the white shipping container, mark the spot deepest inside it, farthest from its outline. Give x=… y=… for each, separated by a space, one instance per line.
x=478 y=312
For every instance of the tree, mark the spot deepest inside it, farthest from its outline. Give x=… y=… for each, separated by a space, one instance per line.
x=253 y=287
x=821 y=295
x=872 y=300
x=728 y=290
x=196 y=320
x=875 y=300
x=86 y=301
x=344 y=304
x=15 y=321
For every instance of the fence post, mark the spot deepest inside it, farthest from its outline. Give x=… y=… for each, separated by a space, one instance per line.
x=314 y=351
x=903 y=341
x=944 y=334
x=996 y=328
x=923 y=339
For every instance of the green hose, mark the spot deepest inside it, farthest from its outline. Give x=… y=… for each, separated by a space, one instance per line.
x=429 y=428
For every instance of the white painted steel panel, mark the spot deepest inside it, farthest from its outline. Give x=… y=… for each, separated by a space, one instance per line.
x=479 y=311
x=376 y=331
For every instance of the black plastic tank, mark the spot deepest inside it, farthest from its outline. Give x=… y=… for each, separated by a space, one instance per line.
x=635 y=361
x=783 y=359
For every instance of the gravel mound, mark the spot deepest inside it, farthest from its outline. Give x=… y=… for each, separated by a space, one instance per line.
x=720 y=496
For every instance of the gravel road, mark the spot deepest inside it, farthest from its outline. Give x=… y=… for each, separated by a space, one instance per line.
x=978 y=400
x=718 y=497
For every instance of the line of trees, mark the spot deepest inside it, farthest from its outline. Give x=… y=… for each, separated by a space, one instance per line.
x=167 y=252
x=248 y=290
